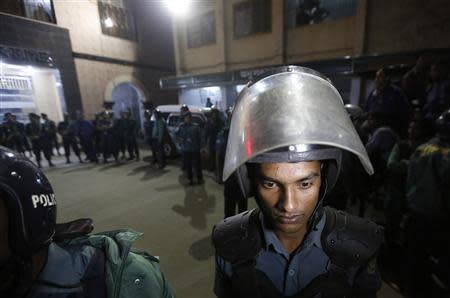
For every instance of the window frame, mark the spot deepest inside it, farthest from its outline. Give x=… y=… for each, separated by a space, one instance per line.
x=260 y=10
x=129 y=32
x=199 y=23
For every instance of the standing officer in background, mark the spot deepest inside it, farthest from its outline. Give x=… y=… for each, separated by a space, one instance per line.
x=24 y=140
x=120 y=135
x=208 y=104
x=130 y=131
x=286 y=139
x=107 y=130
x=158 y=132
x=113 y=143
x=34 y=264
x=212 y=128
x=40 y=139
x=85 y=131
x=148 y=129
x=66 y=130
x=428 y=208
x=50 y=128
x=190 y=137
x=13 y=133
x=389 y=100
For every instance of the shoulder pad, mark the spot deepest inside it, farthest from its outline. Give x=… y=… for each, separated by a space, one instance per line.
x=237 y=238
x=349 y=240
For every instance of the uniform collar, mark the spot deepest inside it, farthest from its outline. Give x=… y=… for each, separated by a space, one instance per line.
x=312 y=238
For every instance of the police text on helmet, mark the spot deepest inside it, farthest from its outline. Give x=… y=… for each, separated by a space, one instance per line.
x=43 y=200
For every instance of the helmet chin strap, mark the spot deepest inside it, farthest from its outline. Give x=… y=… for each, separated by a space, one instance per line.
x=317 y=213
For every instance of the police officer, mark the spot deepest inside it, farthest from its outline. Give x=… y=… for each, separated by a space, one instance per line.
x=184 y=108
x=212 y=128
x=113 y=143
x=40 y=139
x=14 y=133
x=190 y=137
x=287 y=135
x=24 y=140
x=85 y=131
x=50 y=127
x=428 y=219
x=105 y=126
x=121 y=134
x=33 y=264
x=66 y=130
x=130 y=131
x=158 y=133
x=148 y=129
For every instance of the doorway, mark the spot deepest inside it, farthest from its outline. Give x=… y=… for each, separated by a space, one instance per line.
x=126 y=96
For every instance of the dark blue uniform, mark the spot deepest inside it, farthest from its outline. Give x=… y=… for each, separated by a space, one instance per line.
x=337 y=258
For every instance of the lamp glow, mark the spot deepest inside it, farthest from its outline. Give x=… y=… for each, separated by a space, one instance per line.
x=178 y=7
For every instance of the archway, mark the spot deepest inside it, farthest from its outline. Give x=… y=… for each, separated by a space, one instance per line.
x=127 y=92
x=127 y=97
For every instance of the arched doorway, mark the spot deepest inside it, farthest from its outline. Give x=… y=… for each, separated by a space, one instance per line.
x=126 y=96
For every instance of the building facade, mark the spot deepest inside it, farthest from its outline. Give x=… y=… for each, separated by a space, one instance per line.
x=222 y=44
x=90 y=53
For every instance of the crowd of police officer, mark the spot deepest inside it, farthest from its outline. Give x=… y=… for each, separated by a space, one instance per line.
x=405 y=126
x=103 y=138
x=107 y=137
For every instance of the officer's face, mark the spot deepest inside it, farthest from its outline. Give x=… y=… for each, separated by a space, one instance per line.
x=290 y=192
x=4 y=225
x=381 y=80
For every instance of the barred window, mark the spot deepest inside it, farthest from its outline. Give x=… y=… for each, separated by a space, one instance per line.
x=116 y=20
x=309 y=12
x=41 y=10
x=201 y=30
x=252 y=17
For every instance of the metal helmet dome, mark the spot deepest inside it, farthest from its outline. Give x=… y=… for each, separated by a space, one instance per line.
x=30 y=202
x=294 y=108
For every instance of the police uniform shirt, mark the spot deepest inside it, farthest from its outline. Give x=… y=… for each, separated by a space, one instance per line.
x=71 y=272
x=289 y=274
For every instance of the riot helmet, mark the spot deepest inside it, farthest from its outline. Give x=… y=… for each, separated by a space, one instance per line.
x=30 y=203
x=443 y=125
x=293 y=114
x=158 y=113
x=184 y=108
x=355 y=112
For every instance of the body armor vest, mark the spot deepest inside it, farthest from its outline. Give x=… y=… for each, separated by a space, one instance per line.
x=349 y=241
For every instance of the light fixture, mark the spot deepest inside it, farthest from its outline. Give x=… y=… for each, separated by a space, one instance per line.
x=178 y=7
x=108 y=22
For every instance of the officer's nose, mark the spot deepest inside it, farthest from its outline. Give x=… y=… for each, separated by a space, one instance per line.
x=289 y=202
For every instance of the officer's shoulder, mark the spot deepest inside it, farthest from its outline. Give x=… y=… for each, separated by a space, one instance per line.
x=349 y=240
x=237 y=238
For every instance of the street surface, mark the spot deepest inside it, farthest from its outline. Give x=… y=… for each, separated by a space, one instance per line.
x=176 y=219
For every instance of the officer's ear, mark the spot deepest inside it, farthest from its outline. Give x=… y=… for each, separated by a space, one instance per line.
x=246 y=176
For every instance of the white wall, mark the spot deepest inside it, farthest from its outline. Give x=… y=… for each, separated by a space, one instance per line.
x=198 y=96
x=46 y=94
x=82 y=19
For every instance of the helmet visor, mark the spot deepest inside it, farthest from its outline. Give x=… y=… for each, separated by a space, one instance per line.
x=290 y=108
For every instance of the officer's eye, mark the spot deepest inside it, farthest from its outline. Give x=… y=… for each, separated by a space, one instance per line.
x=305 y=184
x=268 y=184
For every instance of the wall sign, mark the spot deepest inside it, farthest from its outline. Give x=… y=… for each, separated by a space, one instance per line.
x=25 y=56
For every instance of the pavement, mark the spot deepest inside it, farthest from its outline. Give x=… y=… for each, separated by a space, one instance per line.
x=176 y=219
